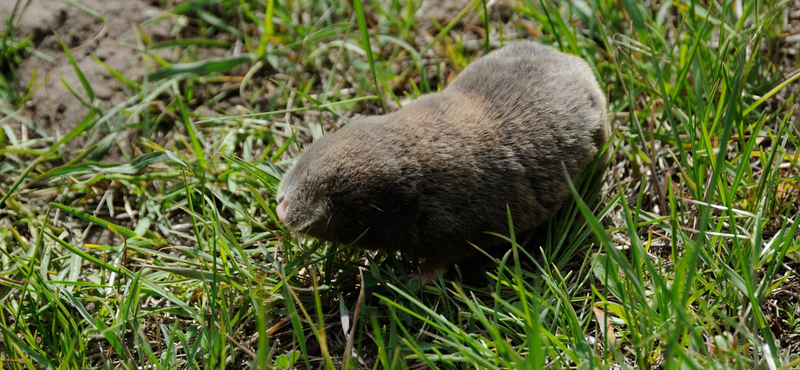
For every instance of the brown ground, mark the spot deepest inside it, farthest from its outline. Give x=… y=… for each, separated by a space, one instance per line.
x=113 y=40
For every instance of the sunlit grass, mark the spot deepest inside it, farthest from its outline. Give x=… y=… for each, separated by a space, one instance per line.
x=683 y=256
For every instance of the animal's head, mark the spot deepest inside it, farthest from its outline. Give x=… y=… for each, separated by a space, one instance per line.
x=346 y=183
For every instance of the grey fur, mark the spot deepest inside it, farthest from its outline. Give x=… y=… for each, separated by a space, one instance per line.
x=438 y=174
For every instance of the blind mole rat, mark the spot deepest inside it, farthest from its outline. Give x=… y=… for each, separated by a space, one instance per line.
x=436 y=175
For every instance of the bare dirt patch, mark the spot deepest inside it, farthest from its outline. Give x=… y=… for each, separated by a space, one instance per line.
x=110 y=34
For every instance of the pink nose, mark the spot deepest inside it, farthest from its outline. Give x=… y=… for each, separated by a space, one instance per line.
x=281 y=210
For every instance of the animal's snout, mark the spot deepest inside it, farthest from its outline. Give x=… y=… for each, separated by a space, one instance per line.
x=281 y=210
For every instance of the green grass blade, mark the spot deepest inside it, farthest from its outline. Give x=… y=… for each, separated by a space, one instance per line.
x=120 y=230
x=201 y=68
x=191 y=130
x=84 y=82
x=362 y=29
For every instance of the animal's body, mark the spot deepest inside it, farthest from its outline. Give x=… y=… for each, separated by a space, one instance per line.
x=438 y=174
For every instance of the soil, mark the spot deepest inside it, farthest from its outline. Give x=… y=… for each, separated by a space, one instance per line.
x=112 y=39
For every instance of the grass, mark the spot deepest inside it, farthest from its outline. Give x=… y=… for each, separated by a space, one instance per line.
x=171 y=256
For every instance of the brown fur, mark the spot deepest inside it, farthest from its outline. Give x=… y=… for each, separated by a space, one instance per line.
x=438 y=174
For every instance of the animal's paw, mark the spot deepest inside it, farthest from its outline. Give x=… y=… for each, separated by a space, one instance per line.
x=426 y=276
